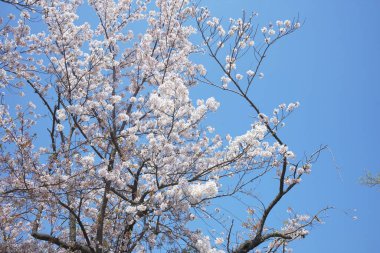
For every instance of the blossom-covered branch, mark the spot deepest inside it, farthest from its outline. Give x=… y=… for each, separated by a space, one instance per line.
x=102 y=148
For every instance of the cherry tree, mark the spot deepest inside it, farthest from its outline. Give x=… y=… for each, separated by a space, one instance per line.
x=23 y=4
x=102 y=149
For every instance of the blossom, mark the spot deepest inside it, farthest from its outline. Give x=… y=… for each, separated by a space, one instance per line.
x=239 y=76
x=292 y=106
x=25 y=14
x=123 y=116
x=32 y=105
x=250 y=72
x=60 y=127
x=115 y=99
x=264 y=29
x=200 y=191
x=225 y=80
x=202 y=70
x=219 y=240
x=271 y=32
x=61 y=115
x=289 y=154
x=212 y=104
x=287 y=23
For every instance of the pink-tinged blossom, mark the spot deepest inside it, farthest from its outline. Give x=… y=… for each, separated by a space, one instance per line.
x=219 y=240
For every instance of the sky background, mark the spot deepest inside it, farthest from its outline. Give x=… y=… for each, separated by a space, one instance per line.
x=332 y=67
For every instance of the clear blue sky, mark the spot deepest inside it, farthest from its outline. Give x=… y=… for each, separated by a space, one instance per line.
x=332 y=67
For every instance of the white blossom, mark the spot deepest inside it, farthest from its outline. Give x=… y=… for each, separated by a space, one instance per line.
x=60 y=127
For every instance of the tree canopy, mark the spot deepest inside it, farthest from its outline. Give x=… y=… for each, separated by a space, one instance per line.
x=102 y=148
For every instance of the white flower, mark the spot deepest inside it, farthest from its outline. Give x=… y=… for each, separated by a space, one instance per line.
x=267 y=40
x=287 y=23
x=141 y=208
x=288 y=181
x=300 y=171
x=210 y=129
x=271 y=32
x=251 y=43
x=31 y=105
x=263 y=117
x=201 y=191
x=282 y=149
x=123 y=117
x=239 y=76
x=212 y=104
x=85 y=118
x=292 y=106
x=222 y=32
x=202 y=70
x=61 y=114
x=297 y=25
x=289 y=154
x=210 y=23
x=109 y=107
x=219 y=240
x=261 y=75
x=115 y=99
x=87 y=160
x=60 y=127
x=103 y=171
x=279 y=23
x=225 y=80
x=250 y=72
x=25 y=14
x=242 y=44
x=250 y=211
x=264 y=29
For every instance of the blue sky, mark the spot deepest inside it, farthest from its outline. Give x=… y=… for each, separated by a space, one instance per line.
x=332 y=67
